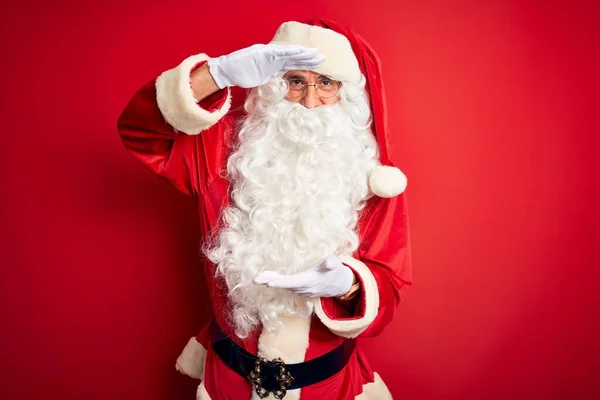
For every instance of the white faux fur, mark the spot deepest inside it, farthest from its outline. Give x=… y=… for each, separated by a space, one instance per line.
x=201 y=393
x=289 y=342
x=376 y=390
x=351 y=328
x=340 y=63
x=386 y=181
x=176 y=100
x=191 y=360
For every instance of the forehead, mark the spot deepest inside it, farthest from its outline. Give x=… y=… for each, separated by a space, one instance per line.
x=305 y=74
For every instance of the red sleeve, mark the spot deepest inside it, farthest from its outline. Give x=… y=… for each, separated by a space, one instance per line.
x=173 y=155
x=382 y=263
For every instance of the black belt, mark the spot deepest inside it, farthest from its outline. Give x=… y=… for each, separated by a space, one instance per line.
x=276 y=376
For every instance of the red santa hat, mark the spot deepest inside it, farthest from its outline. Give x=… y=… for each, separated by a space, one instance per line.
x=348 y=56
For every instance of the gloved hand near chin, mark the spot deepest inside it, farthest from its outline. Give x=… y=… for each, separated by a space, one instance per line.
x=258 y=64
x=329 y=278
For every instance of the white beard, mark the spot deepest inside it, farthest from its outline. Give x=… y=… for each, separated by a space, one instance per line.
x=299 y=180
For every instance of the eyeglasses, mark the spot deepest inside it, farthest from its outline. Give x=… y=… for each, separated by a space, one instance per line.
x=324 y=87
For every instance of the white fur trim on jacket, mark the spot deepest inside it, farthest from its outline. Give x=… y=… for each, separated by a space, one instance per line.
x=387 y=181
x=351 y=328
x=191 y=360
x=201 y=393
x=176 y=100
x=376 y=390
x=289 y=342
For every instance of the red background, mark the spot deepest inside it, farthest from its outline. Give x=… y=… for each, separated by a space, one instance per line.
x=494 y=119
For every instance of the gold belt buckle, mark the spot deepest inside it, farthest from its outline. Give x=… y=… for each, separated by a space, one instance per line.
x=284 y=378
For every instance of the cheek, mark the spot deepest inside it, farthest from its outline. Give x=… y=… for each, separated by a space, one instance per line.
x=293 y=99
x=331 y=101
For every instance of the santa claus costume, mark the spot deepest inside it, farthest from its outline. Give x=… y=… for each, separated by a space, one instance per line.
x=278 y=189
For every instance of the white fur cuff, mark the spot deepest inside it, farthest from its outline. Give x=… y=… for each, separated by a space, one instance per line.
x=176 y=100
x=351 y=328
x=191 y=360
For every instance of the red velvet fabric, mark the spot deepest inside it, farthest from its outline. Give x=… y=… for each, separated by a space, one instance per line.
x=192 y=163
x=385 y=239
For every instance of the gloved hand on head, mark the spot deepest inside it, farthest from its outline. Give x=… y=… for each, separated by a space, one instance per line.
x=260 y=63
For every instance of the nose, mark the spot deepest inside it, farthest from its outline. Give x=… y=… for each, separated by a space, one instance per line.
x=310 y=99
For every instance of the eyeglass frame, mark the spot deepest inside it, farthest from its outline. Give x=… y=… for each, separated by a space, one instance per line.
x=306 y=85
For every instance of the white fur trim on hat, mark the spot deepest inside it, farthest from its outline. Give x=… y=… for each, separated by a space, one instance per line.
x=340 y=62
x=191 y=360
x=176 y=100
x=386 y=181
x=347 y=327
x=376 y=390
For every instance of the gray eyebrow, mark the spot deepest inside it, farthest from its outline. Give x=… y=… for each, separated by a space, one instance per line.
x=300 y=77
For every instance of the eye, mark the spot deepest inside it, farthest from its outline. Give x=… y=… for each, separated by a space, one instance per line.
x=326 y=82
x=295 y=83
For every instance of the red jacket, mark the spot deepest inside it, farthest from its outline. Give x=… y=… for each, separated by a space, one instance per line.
x=188 y=144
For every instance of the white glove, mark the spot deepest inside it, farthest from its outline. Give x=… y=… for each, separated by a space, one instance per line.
x=258 y=64
x=329 y=278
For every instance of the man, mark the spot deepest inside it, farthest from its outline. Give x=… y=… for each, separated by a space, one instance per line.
x=307 y=242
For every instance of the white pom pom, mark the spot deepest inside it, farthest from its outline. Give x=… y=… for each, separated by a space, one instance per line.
x=386 y=181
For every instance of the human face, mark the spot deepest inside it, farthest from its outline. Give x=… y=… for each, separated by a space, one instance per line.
x=309 y=97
